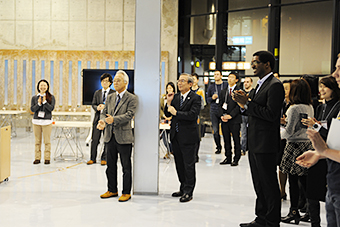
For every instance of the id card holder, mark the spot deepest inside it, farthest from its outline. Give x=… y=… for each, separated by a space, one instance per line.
x=225 y=106
x=324 y=124
x=217 y=100
x=41 y=114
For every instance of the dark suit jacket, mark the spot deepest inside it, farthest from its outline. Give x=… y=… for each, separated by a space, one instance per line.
x=122 y=116
x=264 y=112
x=186 y=118
x=98 y=99
x=233 y=108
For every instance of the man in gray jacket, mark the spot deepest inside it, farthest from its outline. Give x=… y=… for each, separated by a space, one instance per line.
x=116 y=117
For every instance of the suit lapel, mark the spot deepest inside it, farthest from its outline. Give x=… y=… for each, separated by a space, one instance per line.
x=121 y=102
x=264 y=85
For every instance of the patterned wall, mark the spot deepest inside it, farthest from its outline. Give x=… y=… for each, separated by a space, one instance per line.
x=20 y=70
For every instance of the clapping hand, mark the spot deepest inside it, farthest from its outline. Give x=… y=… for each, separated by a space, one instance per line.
x=101 y=125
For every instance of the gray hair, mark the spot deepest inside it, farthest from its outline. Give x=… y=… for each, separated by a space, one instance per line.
x=126 y=77
x=190 y=77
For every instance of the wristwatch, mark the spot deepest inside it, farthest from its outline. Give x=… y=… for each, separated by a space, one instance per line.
x=316 y=127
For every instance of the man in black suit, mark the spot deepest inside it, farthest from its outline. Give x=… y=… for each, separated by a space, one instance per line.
x=263 y=107
x=231 y=120
x=98 y=104
x=184 y=108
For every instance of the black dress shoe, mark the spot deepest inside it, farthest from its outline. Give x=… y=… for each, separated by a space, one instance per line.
x=225 y=162
x=218 y=151
x=305 y=217
x=234 y=164
x=185 y=198
x=251 y=224
x=177 y=194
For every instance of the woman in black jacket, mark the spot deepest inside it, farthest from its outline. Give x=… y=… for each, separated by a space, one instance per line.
x=42 y=105
x=316 y=179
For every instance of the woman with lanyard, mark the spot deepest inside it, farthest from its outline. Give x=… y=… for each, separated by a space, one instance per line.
x=42 y=106
x=316 y=180
x=199 y=91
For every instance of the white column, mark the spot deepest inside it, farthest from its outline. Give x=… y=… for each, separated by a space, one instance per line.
x=147 y=88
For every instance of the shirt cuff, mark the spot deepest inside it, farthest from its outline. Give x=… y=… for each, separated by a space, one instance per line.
x=44 y=102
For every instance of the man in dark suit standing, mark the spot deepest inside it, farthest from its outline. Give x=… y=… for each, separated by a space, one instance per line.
x=231 y=120
x=98 y=104
x=184 y=108
x=263 y=107
x=116 y=119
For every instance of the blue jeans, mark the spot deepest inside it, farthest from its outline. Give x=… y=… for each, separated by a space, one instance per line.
x=333 y=209
x=215 y=122
x=244 y=133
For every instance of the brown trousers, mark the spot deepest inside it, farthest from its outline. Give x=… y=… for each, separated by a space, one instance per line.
x=39 y=132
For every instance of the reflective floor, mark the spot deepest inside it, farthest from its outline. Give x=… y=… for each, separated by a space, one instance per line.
x=66 y=193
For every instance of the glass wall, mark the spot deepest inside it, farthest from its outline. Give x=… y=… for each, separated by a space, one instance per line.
x=249 y=29
x=305 y=40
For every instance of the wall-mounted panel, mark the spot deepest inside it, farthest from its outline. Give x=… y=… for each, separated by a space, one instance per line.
x=113 y=35
x=6 y=10
x=60 y=36
x=60 y=9
x=77 y=35
x=24 y=9
x=78 y=10
x=7 y=38
x=96 y=10
x=24 y=29
x=42 y=34
x=42 y=9
x=114 y=10
x=129 y=36
x=129 y=10
x=95 y=35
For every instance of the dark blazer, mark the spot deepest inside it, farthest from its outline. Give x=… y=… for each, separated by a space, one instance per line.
x=186 y=118
x=122 y=116
x=233 y=108
x=98 y=99
x=47 y=108
x=264 y=112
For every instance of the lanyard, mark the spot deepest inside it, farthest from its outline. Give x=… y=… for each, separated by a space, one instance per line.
x=324 y=109
x=216 y=88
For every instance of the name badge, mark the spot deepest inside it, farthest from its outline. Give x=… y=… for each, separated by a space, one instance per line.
x=41 y=114
x=225 y=106
x=324 y=124
x=217 y=100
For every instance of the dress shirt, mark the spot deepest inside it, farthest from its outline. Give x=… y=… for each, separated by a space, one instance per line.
x=261 y=81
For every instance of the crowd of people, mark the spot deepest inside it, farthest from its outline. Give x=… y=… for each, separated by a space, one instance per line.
x=275 y=122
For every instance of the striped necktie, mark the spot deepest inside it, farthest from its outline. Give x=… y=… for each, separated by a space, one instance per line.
x=180 y=105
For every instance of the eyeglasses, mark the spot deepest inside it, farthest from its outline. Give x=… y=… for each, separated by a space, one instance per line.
x=182 y=81
x=255 y=63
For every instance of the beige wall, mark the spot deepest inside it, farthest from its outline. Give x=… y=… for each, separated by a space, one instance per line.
x=82 y=25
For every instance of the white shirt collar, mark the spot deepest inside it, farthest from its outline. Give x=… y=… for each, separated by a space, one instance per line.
x=121 y=94
x=232 y=88
x=41 y=94
x=185 y=95
x=107 y=90
x=261 y=81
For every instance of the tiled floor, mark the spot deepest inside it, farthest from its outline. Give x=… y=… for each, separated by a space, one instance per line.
x=67 y=193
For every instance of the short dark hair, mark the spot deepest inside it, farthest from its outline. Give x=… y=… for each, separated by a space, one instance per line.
x=106 y=75
x=266 y=56
x=300 y=92
x=236 y=75
x=195 y=75
x=249 y=78
x=172 y=85
x=331 y=83
x=287 y=81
